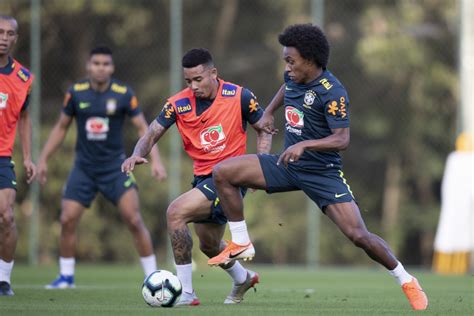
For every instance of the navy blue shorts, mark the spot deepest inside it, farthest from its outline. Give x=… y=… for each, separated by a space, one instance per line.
x=205 y=184
x=7 y=173
x=324 y=187
x=84 y=183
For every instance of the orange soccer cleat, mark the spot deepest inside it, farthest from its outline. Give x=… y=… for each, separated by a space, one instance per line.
x=233 y=252
x=415 y=295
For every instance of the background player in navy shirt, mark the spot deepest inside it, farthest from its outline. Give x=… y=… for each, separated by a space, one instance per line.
x=317 y=127
x=100 y=105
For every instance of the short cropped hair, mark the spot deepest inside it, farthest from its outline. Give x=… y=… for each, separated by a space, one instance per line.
x=100 y=50
x=310 y=42
x=11 y=19
x=196 y=57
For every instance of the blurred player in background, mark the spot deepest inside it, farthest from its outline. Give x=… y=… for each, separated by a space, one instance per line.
x=15 y=86
x=100 y=105
x=211 y=116
x=316 y=129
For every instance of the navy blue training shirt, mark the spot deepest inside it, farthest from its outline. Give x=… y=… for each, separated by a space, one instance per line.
x=311 y=111
x=99 y=120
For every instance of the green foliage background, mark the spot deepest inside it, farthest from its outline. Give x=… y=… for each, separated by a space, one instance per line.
x=397 y=60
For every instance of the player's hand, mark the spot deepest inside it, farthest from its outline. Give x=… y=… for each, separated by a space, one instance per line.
x=266 y=123
x=129 y=164
x=158 y=171
x=291 y=154
x=30 y=169
x=42 y=172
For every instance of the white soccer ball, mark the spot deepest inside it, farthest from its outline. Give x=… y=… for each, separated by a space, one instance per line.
x=161 y=288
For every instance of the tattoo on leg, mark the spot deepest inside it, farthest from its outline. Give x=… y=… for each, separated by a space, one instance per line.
x=182 y=244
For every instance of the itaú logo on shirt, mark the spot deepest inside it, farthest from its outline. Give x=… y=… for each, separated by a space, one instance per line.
x=294 y=117
x=211 y=137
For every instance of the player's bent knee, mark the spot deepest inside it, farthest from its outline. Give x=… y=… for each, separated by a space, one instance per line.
x=173 y=214
x=361 y=238
x=219 y=173
x=7 y=219
x=135 y=222
x=68 y=219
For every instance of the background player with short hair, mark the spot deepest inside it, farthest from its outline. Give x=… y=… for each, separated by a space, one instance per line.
x=100 y=105
x=211 y=116
x=15 y=86
x=316 y=129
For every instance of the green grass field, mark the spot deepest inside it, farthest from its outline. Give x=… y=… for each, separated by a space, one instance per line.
x=115 y=290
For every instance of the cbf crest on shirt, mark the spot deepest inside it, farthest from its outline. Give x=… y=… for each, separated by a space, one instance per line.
x=312 y=110
x=99 y=119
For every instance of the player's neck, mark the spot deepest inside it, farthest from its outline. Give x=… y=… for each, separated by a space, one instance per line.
x=4 y=59
x=214 y=91
x=313 y=75
x=100 y=86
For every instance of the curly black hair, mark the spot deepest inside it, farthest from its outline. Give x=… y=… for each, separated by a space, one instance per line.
x=196 y=57
x=310 y=42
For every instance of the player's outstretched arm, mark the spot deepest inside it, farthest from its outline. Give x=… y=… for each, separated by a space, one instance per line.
x=55 y=139
x=157 y=168
x=266 y=122
x=24 y=129
x=143 y=146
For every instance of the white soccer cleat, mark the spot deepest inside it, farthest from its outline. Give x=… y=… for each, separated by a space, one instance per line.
x=238 y=290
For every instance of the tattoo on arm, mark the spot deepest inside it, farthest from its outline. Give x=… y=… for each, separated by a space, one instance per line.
x=182 y=244
x=264 y=142
x=146 y=142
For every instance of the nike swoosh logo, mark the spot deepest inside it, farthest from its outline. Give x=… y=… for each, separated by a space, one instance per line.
x=207 y=188
x=84 y=105
x=204 y=121
x=288 y=89
x=339 y=195
x=233 y=255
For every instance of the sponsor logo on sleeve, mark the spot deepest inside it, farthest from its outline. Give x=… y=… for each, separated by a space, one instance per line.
x=253 y=106
x=183 y=106
x=23 y=74
x=168 y=110
x=338 y=108
x=134 y=103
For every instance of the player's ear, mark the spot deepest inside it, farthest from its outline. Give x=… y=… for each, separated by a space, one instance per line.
x=214 y=73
